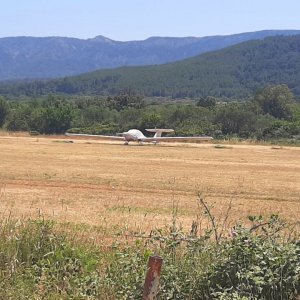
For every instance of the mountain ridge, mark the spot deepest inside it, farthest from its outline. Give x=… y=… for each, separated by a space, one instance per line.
x=234 y=72
x=50 y=57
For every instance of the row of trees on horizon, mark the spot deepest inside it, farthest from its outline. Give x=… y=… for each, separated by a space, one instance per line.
x=272 y=113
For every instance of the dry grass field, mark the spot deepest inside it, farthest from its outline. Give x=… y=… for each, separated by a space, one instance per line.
x=112 y=186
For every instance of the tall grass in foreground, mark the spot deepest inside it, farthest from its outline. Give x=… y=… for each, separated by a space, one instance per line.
x=38 y=260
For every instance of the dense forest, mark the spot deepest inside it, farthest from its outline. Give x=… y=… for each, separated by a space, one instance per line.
x=234 y=72
x=272 y=113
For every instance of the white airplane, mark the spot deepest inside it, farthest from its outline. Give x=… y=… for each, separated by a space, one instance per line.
x=137 y=136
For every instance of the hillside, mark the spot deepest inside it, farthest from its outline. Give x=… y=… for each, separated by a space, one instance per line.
x=52 y=57
x=236 y=71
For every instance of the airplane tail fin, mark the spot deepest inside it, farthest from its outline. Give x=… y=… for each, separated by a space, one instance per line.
x=158 y=132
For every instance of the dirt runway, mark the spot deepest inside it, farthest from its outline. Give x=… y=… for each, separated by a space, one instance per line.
x=92 y=182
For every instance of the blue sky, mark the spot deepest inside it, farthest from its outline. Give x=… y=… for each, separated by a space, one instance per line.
x=126 y=20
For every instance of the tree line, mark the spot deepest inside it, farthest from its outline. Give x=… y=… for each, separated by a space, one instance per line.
x=272 y=113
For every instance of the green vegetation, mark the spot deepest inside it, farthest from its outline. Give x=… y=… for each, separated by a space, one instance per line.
x=234 y=72
x=39 y=260
x=3 y=111
x=272 y=114
x=37 y=263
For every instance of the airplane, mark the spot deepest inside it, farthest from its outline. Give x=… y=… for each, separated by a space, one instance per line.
x=137 y=136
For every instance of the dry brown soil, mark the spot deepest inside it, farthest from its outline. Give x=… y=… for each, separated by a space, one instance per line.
x=107 y=184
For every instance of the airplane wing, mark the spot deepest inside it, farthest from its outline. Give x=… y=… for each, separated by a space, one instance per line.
x=158 y=137
x=105 y=137
x=136 y=135
x=177 y=139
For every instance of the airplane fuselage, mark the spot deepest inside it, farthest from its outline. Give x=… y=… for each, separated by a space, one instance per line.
x=133 y=135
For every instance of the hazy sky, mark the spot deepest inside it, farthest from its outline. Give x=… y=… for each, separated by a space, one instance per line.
x=126 y=20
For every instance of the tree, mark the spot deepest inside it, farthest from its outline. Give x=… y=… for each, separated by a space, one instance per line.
x=92 y=115
x=19 y=117
x=236 y=119
x=276 y=101
x=208 y=102
x=52 y=119
x=151 y=120
x=3 y=111
x=124 y=100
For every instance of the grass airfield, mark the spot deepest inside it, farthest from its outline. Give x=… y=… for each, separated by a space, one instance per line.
x=91 y=182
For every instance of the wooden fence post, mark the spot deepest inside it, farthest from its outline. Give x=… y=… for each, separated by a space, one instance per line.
x=151 y=286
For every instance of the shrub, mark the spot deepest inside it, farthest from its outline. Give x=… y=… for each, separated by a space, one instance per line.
x=34 y=260
x=39 y=262
x=254 y=267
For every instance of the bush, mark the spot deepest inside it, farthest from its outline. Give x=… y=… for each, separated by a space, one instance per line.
x=39 y=262
x=256 y=264
x=257 y=267
x=35 y=261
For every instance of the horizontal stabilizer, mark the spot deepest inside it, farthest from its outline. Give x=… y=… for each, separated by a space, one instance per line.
x=161 y=130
